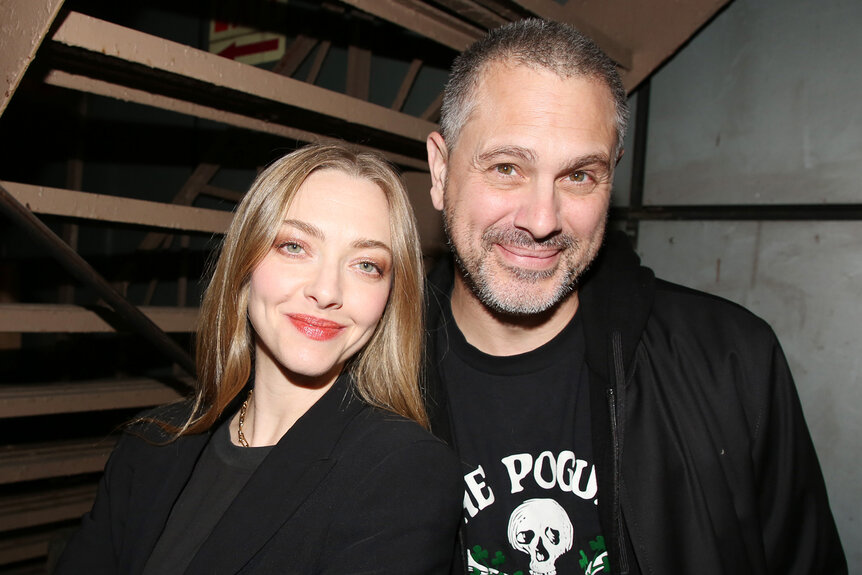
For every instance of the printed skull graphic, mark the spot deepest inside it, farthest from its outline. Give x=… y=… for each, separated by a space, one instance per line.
x=542 y=529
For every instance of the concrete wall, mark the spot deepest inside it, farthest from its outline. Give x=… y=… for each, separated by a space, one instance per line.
x=765 y=106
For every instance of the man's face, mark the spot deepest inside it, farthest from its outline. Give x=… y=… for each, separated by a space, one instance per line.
x=525 y=191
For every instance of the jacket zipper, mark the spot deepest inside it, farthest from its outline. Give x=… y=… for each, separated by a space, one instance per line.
x=619 y=375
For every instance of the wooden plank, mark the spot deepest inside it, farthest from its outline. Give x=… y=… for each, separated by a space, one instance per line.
x=31 y=510
x=407 y=84
x=102 y=88
x=19 y=400
x=58 y=202
x=422 y=19
x=98 y=36
x=47 y=318
x=25 y=24
x=57 y=459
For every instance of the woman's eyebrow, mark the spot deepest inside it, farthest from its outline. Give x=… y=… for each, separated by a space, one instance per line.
x=309 y=229
x=316 y=232
x=372 y=244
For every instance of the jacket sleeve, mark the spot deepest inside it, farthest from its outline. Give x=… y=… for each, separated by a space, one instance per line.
x=799 y=533
x=402 y=517
x=94 y=548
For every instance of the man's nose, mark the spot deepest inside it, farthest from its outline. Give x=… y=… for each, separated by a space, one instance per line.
x=539 y=211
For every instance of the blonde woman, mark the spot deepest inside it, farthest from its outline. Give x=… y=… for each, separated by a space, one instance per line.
x=303 y=450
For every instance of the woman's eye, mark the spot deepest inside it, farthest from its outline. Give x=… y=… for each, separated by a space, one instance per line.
x=291 y=247
x=506 y=169
x=369 y=267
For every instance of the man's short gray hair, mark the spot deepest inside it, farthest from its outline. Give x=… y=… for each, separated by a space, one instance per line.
x=535 y=43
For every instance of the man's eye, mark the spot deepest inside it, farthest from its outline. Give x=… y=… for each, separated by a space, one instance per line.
x=579 y=177
x=506 y=169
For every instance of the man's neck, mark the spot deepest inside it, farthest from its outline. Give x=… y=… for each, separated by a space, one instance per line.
x=502 y=335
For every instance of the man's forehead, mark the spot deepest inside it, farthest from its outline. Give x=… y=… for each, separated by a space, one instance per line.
x=519 y=107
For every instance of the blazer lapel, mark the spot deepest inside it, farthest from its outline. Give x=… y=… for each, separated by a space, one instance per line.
x=169 y=477
x=290 y=473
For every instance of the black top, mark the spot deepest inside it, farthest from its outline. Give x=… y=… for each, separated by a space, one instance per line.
x=522 y=427
x=220 y=473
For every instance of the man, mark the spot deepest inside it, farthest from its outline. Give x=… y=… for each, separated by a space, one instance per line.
x=607 y=421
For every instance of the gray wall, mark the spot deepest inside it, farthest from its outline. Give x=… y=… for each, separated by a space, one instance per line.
x=765 y=106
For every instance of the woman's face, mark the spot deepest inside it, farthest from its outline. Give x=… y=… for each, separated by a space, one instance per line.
x=315 y=299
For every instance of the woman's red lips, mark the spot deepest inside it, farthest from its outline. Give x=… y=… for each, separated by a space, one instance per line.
x=314 y=327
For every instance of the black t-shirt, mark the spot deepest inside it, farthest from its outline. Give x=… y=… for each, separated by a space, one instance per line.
x=219 y=475
x=522 y=429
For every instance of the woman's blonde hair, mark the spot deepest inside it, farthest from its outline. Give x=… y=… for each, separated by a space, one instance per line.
x=386 y=371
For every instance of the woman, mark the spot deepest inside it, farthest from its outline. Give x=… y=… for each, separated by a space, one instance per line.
x=298 y=454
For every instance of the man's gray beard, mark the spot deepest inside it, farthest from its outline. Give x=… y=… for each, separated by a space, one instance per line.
x=523 y=302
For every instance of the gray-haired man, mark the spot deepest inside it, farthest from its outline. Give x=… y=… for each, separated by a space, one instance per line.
x=607 y=420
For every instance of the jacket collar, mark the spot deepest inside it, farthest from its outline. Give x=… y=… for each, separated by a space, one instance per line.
x=290 y=473
x=278 y=487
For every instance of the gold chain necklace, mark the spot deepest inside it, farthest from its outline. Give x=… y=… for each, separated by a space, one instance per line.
x=239 y=434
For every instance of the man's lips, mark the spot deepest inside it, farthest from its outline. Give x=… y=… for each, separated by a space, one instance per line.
x=529 y=257
x=315 y=328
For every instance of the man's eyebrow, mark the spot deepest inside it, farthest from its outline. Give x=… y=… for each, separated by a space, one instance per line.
x=582 y=162
x=524 y=154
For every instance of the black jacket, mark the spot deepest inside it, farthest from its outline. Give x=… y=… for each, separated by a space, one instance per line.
x=348 y=489
x=705 y=464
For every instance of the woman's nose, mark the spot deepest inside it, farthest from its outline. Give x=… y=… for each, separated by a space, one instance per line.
x=324 y=287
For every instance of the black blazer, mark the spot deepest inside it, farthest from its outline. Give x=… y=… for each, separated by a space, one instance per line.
x=348 y=489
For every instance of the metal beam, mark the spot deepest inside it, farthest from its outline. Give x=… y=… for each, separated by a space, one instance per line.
x=475 y=12
x=640 y=36
x=422 y=19
x=49 y=318
x=30 y=399
x=295 y=55
x=78 y=267
x=30 y=510
x=25 y=24
x=56 y=459
x=146 y=52
x=358 y=72
x=741 y=212
x=200 y=177
x=407 y=84
x=25 y=547
x=621 y=54
x=102 y=88
x=57 y=202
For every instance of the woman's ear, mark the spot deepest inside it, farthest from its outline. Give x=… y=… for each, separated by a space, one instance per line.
x=438 y=157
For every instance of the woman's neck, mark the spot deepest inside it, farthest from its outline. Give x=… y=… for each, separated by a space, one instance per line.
x=278 y=402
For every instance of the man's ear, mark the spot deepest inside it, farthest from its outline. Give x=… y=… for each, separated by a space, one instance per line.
x=438 y=158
